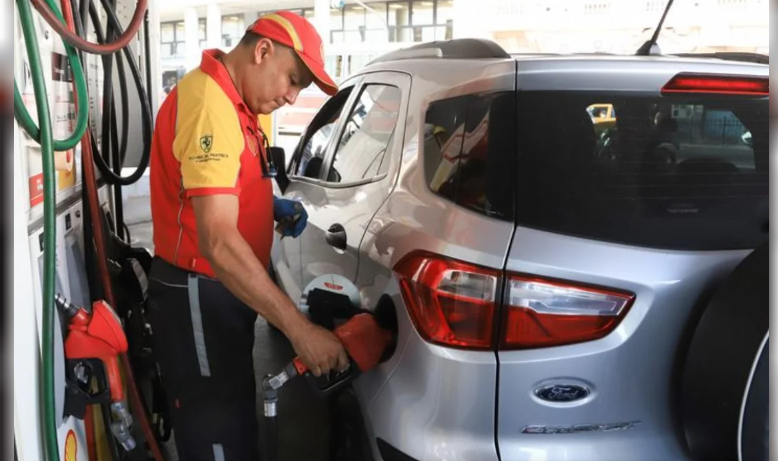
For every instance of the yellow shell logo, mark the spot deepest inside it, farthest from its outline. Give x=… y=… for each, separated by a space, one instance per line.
x=71 y=447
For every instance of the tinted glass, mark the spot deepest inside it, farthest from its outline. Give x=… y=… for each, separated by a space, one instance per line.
x=488 y=155
x=469 y=151
x=687 y=173
x=444 y=125
x=361 y=150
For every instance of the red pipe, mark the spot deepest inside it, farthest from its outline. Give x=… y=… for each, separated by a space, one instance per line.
x=90 y=182
x=72 y=39
x=89 y=425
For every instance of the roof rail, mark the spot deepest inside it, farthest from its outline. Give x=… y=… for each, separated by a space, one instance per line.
x=730 y=56
x=459 y=48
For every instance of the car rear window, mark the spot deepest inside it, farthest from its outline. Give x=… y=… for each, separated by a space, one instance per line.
x=682 y=172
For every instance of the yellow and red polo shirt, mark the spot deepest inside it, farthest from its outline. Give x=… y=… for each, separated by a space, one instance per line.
x=207 y=141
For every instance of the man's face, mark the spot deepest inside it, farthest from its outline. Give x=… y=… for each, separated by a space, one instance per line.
x=275 y=78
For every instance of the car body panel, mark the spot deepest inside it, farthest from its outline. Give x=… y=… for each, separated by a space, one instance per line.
x=629 y=372
x=420 y=376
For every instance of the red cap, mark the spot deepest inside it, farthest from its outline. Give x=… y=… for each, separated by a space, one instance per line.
x=296 y=32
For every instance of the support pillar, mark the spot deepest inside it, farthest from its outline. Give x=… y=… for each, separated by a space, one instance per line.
x=213 y=26
x=321 y=19
x=190 y=39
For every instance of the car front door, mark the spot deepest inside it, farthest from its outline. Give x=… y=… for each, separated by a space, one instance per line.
x=304 y=172
x=356 y=177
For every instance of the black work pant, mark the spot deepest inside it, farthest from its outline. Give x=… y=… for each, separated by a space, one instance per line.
x=203 y=341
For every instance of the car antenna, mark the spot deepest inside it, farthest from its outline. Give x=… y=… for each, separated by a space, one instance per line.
x=651 y=47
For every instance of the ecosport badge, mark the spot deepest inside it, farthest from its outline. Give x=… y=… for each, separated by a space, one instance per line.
x=579 y=428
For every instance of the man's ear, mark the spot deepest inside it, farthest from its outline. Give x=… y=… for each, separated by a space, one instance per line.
x=262 y=50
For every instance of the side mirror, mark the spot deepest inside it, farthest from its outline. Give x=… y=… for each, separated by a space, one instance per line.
x=279 y=160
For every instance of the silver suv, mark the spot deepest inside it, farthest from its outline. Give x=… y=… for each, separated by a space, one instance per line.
x=548 y=232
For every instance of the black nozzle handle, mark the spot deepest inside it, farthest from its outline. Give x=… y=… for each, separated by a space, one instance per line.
x=334 y=382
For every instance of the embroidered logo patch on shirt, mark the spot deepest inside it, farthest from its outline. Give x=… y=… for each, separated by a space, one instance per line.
x=206 y=142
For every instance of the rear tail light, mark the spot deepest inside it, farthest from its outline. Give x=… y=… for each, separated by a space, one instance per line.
x=718 y=84
x=451 y=303
x=456 y=304
x=541 y=313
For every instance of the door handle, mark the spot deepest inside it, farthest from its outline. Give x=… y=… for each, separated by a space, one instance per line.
x=336 y=237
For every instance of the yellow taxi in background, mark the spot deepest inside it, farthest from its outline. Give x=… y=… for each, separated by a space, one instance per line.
x=603 y=116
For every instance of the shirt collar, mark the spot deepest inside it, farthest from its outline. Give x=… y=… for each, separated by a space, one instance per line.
x=213 y=67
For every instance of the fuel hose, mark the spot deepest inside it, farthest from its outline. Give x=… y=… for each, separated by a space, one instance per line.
x=46 y=140
x=105 y=170
x=48 y=11
x=97 y=231
x=21 y=114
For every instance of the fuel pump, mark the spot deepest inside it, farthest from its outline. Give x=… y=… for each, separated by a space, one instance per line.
x=96 y=344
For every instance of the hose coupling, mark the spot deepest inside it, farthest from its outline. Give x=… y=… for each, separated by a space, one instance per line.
x=68 y=308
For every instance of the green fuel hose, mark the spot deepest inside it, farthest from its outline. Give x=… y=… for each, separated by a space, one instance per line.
x=44 y=136
x=20 y=111
x=51 y=449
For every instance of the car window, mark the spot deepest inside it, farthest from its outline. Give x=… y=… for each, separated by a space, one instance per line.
x=361 y=152
x=468 y=149
x=685 y=173
x=321 y=130
x=443 y=134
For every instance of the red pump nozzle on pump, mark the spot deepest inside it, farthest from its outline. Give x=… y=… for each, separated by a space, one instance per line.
x=98 y=335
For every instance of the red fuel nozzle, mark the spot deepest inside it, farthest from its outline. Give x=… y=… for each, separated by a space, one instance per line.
x=364 y=340
x=98 y=335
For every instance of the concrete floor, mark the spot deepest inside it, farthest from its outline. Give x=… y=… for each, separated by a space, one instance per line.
x=303 y=418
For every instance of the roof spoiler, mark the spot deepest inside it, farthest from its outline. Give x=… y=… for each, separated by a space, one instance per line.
x=460 y=48
x=730 y=56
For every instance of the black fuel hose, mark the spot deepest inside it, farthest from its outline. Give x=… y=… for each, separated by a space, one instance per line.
x=119 y=147
x=105 y=170
x=113 y=21
x=111 y=145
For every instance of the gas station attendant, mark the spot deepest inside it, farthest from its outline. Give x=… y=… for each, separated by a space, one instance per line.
x=213 y=211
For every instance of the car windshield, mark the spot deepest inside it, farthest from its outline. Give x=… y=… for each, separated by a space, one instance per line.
x=686 y=173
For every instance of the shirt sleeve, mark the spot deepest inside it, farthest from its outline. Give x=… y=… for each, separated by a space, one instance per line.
x=209 y=139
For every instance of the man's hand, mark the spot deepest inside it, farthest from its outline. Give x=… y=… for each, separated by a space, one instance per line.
x=319 y=349
x=291 y=215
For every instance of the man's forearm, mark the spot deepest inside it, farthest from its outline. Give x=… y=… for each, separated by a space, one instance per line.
x=240 y=271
